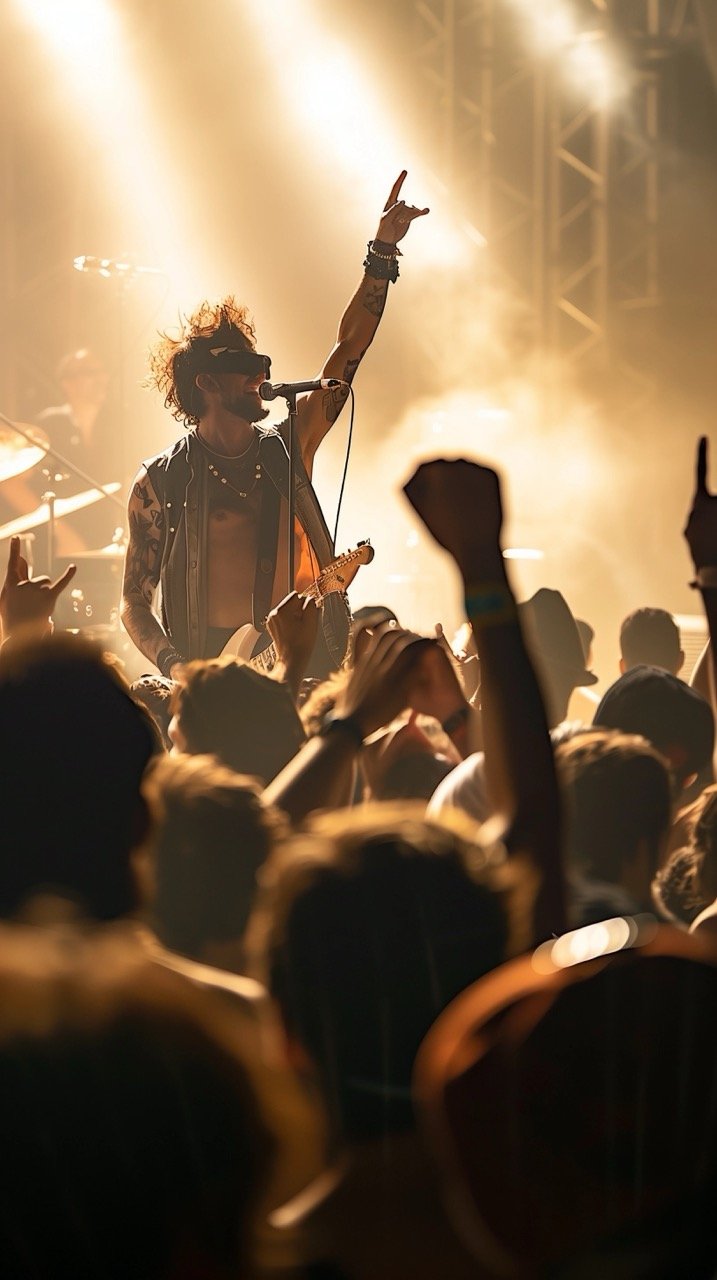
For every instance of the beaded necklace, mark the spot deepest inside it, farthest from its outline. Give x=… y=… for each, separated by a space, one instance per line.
x=241 y=493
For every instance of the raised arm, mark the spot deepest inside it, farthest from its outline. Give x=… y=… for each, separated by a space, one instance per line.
x=358 y=325
x=141 y=573
x=321 y=775
x=460 y=504
x=701 y=537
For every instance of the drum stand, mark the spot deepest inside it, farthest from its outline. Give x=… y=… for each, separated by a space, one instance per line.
x=50 y=497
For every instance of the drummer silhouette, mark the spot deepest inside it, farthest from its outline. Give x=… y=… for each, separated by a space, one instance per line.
x=80 y=431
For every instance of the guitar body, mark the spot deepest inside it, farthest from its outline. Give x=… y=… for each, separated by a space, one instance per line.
x=243 y=643
x=257 y=648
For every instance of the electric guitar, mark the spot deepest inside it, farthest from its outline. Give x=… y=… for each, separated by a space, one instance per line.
x=337 y=576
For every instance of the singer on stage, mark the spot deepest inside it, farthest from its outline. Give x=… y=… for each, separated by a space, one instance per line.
x=208 y=517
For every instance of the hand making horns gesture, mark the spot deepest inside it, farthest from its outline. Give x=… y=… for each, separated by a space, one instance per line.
x=701 y=528
x=397 y=215
x=28 y=602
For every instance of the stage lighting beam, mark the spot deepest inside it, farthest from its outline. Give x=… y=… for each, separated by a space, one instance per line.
x=108 y=96
x=350 y=125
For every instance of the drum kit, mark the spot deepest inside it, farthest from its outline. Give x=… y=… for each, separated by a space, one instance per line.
x=93 y=605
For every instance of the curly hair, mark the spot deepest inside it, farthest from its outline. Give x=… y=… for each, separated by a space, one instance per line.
x=175 y=361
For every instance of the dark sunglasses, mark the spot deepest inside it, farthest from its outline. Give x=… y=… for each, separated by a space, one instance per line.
x=240 y=360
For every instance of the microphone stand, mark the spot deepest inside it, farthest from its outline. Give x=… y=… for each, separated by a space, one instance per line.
x=50 y=498
x=290 y=397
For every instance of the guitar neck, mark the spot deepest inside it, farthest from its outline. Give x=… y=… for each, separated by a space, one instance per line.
x=336 y=577
x=266 y=660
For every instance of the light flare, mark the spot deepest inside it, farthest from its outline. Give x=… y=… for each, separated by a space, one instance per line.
x=105 y=92
x=348 y=123
x=590 y=65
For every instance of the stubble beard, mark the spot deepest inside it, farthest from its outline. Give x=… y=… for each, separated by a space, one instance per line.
x=247 y=407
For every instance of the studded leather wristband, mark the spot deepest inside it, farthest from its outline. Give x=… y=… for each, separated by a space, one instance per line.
x=166 y=659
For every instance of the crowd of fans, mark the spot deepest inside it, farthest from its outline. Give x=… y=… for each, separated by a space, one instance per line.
x=407 y=975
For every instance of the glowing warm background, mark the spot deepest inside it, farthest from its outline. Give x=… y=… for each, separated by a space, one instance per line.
x=247 y=146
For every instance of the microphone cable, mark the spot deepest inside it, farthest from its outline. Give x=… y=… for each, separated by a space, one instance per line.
x=346 y=463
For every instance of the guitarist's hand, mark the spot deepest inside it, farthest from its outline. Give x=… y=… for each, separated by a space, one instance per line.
x=293 y=626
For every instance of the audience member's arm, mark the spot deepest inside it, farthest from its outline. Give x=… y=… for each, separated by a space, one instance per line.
x=460 y=504
x=26 y=604
x=321 y=775
x=700 y=678
x=293 y=626
x=437 y=691
x=701 y=538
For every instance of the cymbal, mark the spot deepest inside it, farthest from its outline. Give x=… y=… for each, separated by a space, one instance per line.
x=63 y=507
x=16 y=453
x=114 y=551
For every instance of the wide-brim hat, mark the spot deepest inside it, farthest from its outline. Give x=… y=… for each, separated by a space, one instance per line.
x=553 y=636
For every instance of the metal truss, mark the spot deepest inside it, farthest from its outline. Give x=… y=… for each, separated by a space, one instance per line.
x=566 y=191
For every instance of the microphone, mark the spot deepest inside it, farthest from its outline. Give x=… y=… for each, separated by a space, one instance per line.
x=110 y=267
x=270 y=390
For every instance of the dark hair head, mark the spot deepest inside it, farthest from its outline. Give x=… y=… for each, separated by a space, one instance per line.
x=136 y=1135
x=617 y=794
x=650 y=637
x=657 y=705
x=227 y=709
x=371 y=924
x=211 y=835
x=176 y=360
x=72 y=755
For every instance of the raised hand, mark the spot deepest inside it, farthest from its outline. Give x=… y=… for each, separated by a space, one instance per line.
x=701 y=528
x=380 y=684
x=293 y=626
x=28 y=602
x=460 y=504
x=397 y=215
x=435 y=689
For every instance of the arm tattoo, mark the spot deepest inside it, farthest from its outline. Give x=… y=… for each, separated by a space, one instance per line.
x=141 y=574
x=335 y=400
x=375 y=300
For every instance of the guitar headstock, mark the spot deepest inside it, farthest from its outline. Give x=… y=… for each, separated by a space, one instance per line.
x=339 y=575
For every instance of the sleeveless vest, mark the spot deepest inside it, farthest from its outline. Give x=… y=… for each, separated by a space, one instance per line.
x=179 y=479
